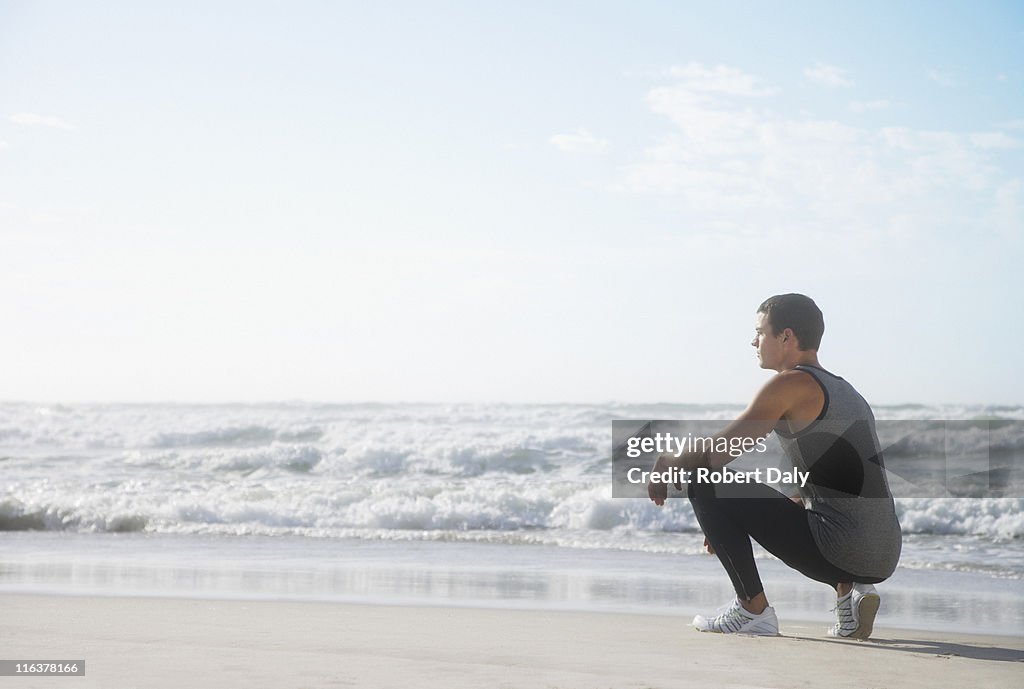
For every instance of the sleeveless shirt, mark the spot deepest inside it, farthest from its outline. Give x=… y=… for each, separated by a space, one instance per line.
x=849 y=506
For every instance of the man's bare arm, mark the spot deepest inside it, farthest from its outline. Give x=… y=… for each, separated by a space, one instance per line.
x=771 y=404
x=758 y=420
x=776 y=398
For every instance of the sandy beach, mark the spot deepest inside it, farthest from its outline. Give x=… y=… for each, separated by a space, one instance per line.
x=168 y=642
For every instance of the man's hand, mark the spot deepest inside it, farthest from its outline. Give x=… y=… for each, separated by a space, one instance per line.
x=657 y=491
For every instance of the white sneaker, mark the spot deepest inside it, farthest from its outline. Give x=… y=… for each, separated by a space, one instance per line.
x=855 y=613
x=734 y=619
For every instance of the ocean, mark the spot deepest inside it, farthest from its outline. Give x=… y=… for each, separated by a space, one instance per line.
x=484 y=504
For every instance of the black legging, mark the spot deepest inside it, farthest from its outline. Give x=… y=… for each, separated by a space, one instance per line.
x=730 y=514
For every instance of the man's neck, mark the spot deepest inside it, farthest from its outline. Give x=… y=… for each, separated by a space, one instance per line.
x=808 y=358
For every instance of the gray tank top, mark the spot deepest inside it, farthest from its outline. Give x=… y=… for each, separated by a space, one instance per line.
x=849 y=506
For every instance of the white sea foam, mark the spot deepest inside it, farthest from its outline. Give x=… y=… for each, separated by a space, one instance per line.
x=497 y=473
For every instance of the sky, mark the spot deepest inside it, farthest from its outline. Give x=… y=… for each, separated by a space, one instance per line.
x=506 y=202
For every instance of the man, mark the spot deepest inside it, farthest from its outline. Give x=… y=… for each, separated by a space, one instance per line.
x=842 y=528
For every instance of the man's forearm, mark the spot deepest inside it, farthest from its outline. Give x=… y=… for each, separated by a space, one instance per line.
x=708 y=457
x=689 y=460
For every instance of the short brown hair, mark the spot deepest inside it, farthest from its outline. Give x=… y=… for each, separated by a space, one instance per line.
x=797 y=312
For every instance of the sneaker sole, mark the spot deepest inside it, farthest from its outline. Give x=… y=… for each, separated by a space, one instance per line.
x=867 y=608
x=761 y=629
x=744 y=632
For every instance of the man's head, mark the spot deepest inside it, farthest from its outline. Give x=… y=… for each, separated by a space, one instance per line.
x=787 y=322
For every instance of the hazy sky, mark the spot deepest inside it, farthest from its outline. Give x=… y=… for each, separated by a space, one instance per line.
x=506 y=201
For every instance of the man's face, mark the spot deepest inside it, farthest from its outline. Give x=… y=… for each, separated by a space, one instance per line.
x=769 y=346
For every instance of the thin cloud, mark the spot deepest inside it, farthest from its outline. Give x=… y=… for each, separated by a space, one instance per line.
x=720 y=79
x=732 y=165
x=582 y=141
x=994 y=141
x=710 y=106
x=1009 y=208
x=944 y=79
x=868 y=105
x=29 y=119
x=828 y=75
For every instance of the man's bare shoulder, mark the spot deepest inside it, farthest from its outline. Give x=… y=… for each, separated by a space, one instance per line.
x=790 y=389
x=795 y=395
x=791 y=381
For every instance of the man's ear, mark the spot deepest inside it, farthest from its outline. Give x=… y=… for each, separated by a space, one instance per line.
x=787 y=333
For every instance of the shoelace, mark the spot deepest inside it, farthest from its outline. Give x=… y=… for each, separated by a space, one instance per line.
x=731 y=620
x=844 y=611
